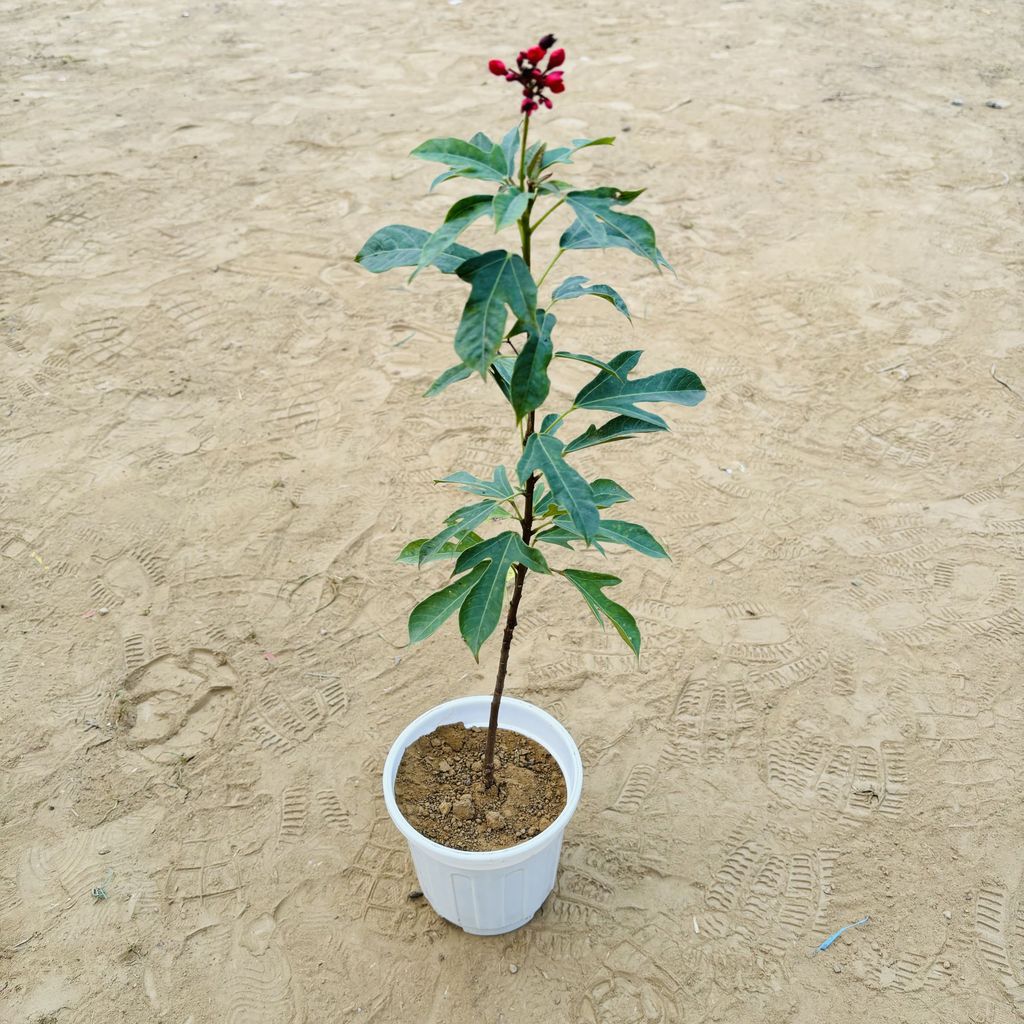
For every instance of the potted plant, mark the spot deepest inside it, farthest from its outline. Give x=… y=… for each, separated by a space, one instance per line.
x=483 y=788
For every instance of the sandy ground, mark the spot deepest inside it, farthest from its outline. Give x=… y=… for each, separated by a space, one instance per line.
x=211 y=427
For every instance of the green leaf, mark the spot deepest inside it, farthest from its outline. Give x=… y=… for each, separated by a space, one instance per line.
x=465 y=159
x=563 y=155
x=591 y=585
x=557 y=535
x=607 y=492
x=615 y=429
x=457 y=219
x=498 y=279
x=443 y=176
x=575 y=286
x=399 y=245
x=501 y=371
x=479 y=615
x=535 y=159
x=578 y=237
x=481 y=141
x=509 y=206
x=600 y=226
x=619 y=394
x=530 y=382
x=549 y=422
x=410 y=554
x=460 y=522
x=555 y=188
x=581 y=358
x=430 y=614
x=618 y=531
x=510 y=150
x=499 y=486
x=632 y=535
x=543 y=453
x=450 y=376
x=604 y=492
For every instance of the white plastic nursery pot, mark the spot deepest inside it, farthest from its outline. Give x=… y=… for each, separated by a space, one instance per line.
x=494 y=891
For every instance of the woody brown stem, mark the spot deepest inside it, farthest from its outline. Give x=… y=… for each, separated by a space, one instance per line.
x=527 y=523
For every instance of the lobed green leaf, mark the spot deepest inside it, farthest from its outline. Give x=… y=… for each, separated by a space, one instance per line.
x=498 y=279
x=499 y=486
x=464 y=158
x=431 y=613
x=410 y=554
x=399 y=245
x=579 y=357
x=530 y=383
x=460 y=523
x=599 y=226
x=509 y=205
x=616 y=429
x=543 y=454
x=563 y=154
x=510 y=150
x=615 y=392
x=576 y=286
x=481 y=610
x=450 y=376
x=458 y=218
x=591 y=585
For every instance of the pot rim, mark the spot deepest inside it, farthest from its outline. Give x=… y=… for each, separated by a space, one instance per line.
x=484 y=858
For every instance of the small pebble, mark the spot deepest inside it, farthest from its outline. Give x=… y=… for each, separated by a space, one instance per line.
x=445 y=807
x=513 y=969
x=443 y=766
x=435 y=742
x=957 y=102
x=104 y=611
x=946 y=964
x=997 y=104
x=494 y=819
x=463 y=808
x=103 y=849
x=947 y=915
x=838 y=968
x=968 y=896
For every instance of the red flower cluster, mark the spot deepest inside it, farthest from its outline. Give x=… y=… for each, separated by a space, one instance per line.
x=530 y=76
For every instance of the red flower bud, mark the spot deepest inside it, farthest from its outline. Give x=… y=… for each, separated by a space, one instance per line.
x=521 y=57
x=557 y=58
x=511 y=76
x=553 y=76
x=497 y=67
x=546 y=102
x=528 y=107
x=546 y=42
x=557 y=87
x=535 y=54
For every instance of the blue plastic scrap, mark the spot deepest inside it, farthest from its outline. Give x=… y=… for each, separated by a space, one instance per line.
x=835 y=935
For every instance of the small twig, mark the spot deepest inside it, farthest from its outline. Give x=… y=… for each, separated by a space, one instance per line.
x=999 y=380
x=997 y=184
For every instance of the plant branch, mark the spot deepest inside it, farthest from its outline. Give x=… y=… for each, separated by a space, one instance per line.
x=561 y=417
x=548 y=214
x=558 y=256
x=511 y=618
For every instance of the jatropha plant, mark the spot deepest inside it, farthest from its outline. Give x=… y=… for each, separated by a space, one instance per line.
x=547 y=504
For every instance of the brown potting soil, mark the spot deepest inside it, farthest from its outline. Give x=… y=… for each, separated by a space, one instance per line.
x=440 y=789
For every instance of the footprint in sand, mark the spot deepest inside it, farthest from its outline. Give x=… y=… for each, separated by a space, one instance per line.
x=175 y=705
